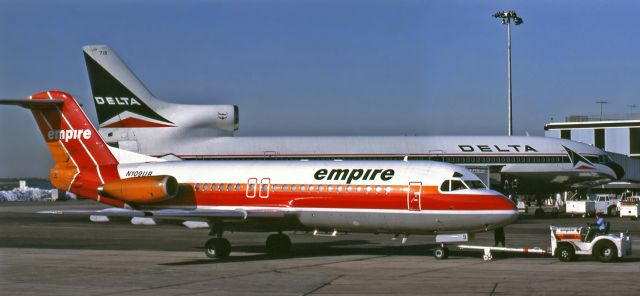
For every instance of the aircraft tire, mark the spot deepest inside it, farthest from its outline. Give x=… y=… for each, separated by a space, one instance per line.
x=612 y=211
x=278 y=244
x=217 y=248
x=441 y=252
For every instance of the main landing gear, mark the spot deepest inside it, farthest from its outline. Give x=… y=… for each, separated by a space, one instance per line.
x=278 y=244
x=219 y=247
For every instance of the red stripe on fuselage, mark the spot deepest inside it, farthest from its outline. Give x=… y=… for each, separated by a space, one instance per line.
x=396 y=199
x=135 y=122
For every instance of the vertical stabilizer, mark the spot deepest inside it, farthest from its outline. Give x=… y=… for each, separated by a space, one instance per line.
x=82 y=160
x=120 y=98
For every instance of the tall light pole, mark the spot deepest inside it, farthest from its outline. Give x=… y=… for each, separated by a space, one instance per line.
x=601 y=104
x=506 y=17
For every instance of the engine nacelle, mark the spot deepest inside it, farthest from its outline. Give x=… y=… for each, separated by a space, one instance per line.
x=141 y=190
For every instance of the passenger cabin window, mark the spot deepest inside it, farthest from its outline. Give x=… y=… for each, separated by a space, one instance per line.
x=302 y=188
x=205 y=186
x=213 y=186
x=197 y=186
x=310 y=188
x=237 y=187
x=229 y=187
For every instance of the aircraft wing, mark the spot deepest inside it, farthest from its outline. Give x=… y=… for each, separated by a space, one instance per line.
x=177 y=214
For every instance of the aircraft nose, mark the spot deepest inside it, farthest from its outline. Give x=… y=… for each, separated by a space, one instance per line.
x=506 y=209
x=617 y=169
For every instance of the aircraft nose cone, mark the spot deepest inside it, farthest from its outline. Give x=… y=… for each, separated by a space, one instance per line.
x=507 y=209
x=618 y=169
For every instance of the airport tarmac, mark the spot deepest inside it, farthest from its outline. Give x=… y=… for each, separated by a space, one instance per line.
x=59 y=255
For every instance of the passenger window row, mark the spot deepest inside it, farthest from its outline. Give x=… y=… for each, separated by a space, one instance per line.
x=292 y=188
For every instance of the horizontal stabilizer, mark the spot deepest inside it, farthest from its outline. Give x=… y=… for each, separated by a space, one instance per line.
x=32 y=104
x=175 y=214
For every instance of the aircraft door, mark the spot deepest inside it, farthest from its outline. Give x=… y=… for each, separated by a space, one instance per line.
x=414 y=194
x=251 y=187
x=265 y=186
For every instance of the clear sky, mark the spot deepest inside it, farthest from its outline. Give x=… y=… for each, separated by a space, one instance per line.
x=328 y=67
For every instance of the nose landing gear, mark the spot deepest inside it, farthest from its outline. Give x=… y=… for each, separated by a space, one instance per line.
x=441 y=252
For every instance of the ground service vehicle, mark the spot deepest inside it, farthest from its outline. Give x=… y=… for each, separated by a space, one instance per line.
x=629 y=207
x=569 y=242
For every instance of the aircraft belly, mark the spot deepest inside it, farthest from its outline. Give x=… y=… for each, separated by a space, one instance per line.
x=409 y=222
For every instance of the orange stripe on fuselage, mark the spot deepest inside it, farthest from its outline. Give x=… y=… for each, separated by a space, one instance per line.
x=396 y=199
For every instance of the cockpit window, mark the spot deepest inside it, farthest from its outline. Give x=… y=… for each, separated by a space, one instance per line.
x=457 y=185
x=445 y=186
x=475 y=184
x=453 y=185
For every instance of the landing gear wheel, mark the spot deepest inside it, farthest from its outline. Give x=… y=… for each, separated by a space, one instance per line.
x=487 y=257
x=279 y=244
x=606 y=251
x=612 y=211
x=441 y=252
x=217 y=248
x=539 y=213
x=566 y=253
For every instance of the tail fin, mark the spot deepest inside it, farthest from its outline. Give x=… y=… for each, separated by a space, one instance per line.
x=120 y=98
x=82 y=159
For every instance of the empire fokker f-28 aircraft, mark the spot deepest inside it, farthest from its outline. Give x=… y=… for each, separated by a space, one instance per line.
x=131 y=118
x=395 y=197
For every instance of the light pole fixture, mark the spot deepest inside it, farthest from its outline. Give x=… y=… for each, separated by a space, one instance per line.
x=506 y=17
x=601 y=103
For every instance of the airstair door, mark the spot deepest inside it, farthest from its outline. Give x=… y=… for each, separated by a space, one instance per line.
x=414 y=193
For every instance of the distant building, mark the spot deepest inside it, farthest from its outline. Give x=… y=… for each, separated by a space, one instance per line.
x=613 y=133
x=617 y=134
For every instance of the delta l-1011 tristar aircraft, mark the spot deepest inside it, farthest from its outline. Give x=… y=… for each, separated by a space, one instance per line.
x=396 y=197
x=131 y=118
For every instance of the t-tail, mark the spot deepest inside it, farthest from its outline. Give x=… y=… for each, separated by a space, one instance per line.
x=83 y=161
x=123 y=102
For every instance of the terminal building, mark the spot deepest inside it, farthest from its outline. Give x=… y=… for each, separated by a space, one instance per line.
x=619 y=135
